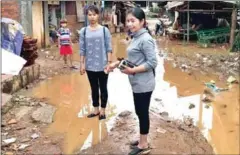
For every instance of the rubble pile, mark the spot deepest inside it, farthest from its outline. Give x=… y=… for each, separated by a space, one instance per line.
x=225 y=64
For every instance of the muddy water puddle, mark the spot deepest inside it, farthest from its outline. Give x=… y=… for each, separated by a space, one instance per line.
x=71 y=95
x=220 y=122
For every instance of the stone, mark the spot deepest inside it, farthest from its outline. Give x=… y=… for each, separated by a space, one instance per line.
x=25 y=140
x=23 y=146
x=9 y=141
x=42 y=104
x=12 y=121
x=44 y=114
x=158 y=99
x=125 y=113
x=161 y=130
x=191 y=106
x=34 y=136
x=164 y=114
x=22 y=111
x=5 y=98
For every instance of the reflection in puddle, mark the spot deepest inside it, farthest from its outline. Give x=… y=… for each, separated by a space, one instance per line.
x=71 y=95
x=220 y=122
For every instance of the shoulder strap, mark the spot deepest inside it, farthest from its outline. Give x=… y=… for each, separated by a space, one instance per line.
x=84 y=35
x=104 y=38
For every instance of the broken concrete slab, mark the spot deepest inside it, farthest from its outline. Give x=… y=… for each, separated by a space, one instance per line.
x=44 y=114
x=22 y=111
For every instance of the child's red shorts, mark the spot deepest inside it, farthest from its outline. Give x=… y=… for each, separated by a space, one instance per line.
x=66 y=50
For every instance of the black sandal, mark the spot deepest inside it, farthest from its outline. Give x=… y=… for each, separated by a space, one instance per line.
x=135 y=143
x=92 y=115
x=136 y=151
x=102 y=117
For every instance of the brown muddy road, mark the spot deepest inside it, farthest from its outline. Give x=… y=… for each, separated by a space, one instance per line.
x=70 y=94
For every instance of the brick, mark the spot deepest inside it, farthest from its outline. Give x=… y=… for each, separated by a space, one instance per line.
x=10 y=9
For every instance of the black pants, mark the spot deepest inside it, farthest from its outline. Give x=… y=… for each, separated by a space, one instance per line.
x=98 y=80
x=142 y=102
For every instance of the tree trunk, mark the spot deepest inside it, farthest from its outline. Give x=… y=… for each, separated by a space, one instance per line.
x=233 y=27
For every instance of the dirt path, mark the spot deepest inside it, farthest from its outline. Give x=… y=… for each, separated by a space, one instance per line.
x=72 y=134
x=166 y=137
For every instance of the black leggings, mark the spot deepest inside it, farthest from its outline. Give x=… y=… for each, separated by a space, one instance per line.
x=142 y=103
x=98 y=80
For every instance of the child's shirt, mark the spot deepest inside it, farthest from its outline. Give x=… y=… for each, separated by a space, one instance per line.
x=65 y=36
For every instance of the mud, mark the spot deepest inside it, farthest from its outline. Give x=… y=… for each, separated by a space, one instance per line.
x=72 y=132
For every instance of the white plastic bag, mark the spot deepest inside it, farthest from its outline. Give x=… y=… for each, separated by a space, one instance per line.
x=11 y=63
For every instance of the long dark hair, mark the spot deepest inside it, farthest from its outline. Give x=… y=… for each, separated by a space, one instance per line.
x=92 y=8
x=140 y=15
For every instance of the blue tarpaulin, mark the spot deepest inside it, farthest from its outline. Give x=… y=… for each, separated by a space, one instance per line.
x=11 y=36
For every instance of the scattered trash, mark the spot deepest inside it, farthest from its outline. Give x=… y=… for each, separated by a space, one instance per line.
x=161 y=130
x=214 y=88
x=34 y=136
x=231 y=79
x=9 y=141
x=23 y=146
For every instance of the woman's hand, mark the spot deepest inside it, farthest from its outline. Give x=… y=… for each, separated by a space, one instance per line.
x=110 y=67
x=82 y=69
x=128 y=70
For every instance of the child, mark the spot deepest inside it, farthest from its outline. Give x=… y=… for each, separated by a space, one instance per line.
x=65 y=43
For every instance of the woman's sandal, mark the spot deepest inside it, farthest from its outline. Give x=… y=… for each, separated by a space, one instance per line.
x=136 y=151
x=134 y=144
x=102 y=117
x=92 y=115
